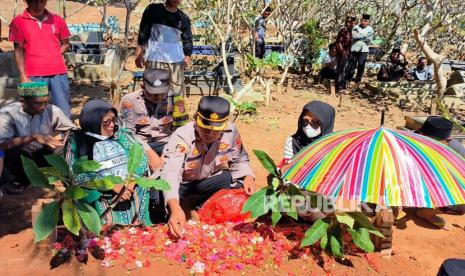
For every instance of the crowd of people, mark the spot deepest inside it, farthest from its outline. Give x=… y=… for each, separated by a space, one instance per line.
x=199 y=157
x=349 y=54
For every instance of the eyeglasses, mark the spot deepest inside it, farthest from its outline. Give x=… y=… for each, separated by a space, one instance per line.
x=108 y=122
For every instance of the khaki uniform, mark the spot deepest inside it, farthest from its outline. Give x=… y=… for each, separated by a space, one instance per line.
x=147 y=121
x=188 y=160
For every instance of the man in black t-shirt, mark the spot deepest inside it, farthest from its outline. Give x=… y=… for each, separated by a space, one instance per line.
x=166 y=38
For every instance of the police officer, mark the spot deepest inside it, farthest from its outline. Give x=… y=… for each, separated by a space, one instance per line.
x=148 y=114
x=203 y=157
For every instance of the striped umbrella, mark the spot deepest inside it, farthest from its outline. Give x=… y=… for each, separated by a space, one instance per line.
x=382 y=166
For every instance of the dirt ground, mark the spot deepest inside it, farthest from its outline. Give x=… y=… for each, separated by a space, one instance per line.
x=418 y=249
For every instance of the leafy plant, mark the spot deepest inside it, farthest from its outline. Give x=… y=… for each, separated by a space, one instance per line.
x=277 y=198
x=314 y=41
x=76 y=212
x=273 y=60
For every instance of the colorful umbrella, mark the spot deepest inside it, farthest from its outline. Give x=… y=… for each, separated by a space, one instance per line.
x=382 y=166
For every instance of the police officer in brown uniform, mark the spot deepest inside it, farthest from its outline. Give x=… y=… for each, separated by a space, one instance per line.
x=204 y=157
x=148 y=114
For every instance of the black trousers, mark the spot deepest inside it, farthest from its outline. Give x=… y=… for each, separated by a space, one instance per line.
x=357 y=60
x=198 y=192
x=13 y=167
x=341 y=80
x=260 y=48
x=328 y=73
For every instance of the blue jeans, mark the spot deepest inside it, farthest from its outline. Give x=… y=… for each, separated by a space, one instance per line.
x=58 y=87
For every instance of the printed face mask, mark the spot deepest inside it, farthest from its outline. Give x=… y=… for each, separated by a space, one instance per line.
x=311 y=132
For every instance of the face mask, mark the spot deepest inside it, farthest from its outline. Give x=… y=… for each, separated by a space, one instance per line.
x=311 y=132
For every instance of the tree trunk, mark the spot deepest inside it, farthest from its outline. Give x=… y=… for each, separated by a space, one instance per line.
x=126 y=27
x=63 y=2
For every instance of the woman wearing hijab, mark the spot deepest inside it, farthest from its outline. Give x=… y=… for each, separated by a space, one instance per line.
x=101 y=140
x=315 y=121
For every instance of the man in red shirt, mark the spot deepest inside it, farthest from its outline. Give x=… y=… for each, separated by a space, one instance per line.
x=40 y=39
x=343 y=45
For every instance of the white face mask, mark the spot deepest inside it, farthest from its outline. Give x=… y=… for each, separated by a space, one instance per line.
x=311 y=132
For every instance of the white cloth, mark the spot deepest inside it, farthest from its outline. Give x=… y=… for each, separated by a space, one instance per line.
x=165 y=45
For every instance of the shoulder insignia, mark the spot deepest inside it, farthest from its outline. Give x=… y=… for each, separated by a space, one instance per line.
x=223 y=146
x=181 y=147
x=127 y=105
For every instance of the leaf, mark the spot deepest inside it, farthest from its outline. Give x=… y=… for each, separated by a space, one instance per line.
x=53 y=172
x=136 y=154
x=75 y=193
x=361 y=238
x=46 y=221
x=105 y=183
x=335 y=241
x=82 y=165
x=275 y=217
x=71 y=217
x=35 y=176
x=158 y=184
x=336 y=247
x=266 y=161
x=324 y=241
x=292 y=211
x=315 y=233
x=58 y=163
x=257 y=204
x=90 y=217
x=346 y=219
x=362 y=220
x=376 y=233
x=275 y=183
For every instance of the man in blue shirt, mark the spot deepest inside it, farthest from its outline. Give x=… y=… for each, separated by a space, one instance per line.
x=260 y=31
x=362 y=35
x=422 y=72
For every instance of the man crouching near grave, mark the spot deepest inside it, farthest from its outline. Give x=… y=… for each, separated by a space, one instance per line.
x=204 y=157
x=27 y=129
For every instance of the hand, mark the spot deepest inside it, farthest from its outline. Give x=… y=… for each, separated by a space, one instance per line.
x=249 y=185
x=127 y=193
x=187 y=62
x=177 y=221
x=47 y=140
x=155 y=161
x=140 y=61
x=23 y=79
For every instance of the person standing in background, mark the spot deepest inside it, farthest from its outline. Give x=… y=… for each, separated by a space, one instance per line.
x=260 y=32
x=165 y=36
x=343 y=45
x=362 y=35
x=40 y=39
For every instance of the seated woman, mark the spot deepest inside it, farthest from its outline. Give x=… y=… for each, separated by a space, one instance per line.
x=101 y=140
x=315 y=121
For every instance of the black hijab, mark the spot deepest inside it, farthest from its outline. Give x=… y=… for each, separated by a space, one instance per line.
x=90 y=120
x=325 y=113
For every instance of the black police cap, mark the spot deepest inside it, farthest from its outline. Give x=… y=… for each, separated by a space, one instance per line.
x=213 y=113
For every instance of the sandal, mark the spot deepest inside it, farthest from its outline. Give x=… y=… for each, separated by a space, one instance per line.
x=433 y=220
x=14 y=188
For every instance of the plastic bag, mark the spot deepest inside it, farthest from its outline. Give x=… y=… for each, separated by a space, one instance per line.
x=224 y=206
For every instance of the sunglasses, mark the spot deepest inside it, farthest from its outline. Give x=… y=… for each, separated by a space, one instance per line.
x=108 y=122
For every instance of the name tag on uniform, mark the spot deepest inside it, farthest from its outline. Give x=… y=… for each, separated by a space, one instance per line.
x=143 y=120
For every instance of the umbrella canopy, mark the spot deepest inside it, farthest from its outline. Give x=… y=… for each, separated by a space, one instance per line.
x=382 y=166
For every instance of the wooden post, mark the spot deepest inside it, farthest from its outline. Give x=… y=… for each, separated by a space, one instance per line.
x=289 y=86
x=384 y=221
x=332 y=88
x=267 y=93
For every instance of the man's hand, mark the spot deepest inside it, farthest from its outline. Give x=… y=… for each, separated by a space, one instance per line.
x=47 y=140
x=140 y=62
x=155 y=161
x=249 y=185
x=23 y=79
x=187 y=62
x=177 y=220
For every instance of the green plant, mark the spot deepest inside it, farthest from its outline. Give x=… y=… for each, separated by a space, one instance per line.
x=272 y=60
x=329 y=230
x=76 y=212
x=314 y=41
